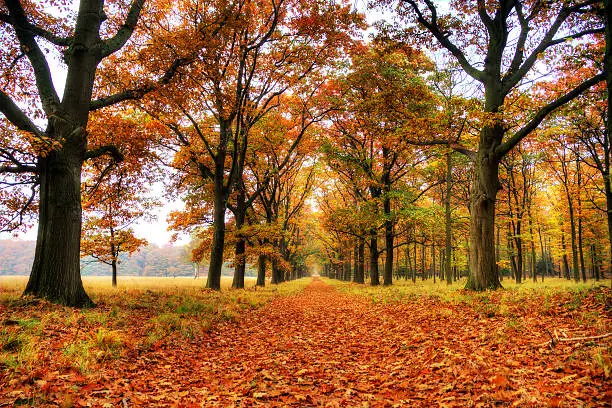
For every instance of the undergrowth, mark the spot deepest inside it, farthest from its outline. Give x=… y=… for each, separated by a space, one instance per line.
x=126 y=319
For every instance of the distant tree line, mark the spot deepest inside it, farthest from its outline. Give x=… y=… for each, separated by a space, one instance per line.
x=16 y=258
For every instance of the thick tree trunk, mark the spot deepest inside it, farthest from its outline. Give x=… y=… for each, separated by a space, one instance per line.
x=239 y=263
x=483 y=273
x=56 y=273
x=218 y=242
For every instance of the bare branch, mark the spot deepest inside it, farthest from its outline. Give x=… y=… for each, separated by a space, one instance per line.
x=139 y=92
x=123 y=35
x=443 y=38
x=17 y=169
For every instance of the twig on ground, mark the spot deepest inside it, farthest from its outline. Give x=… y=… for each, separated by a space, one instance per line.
x=556 y=339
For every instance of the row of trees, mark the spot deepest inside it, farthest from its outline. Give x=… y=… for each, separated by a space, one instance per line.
x=254 y=109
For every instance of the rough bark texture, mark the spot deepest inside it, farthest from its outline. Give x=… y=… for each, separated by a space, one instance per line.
x=56 y=273
x=483 y=273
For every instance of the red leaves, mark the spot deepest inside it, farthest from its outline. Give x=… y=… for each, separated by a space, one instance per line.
x=323 y=348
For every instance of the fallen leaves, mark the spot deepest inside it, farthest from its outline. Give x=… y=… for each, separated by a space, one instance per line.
x=325 y=348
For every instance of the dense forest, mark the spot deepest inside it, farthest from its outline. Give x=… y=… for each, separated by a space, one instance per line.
x=302 y=137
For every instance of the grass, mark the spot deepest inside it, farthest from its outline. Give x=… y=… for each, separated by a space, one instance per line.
x=402 y=289
x=139 y=314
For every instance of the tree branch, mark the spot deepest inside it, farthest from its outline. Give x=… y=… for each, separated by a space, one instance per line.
x=125 y=32
x=44 y=82
x=40 y=32
x=139 y=92
x=442 y=37
x=102 y=150
x=17 y=169
x=15 y=115
x=505 y=147
x=517 y=71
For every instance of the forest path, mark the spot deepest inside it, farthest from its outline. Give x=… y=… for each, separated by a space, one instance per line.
x=325 y=348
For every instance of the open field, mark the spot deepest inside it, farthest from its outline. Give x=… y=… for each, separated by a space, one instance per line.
x=311 y=342
x=96 y=284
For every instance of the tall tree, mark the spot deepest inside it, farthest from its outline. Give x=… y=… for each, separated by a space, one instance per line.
x=29 y=98
x=265 y=50
x=498 y=44
x=387 y=101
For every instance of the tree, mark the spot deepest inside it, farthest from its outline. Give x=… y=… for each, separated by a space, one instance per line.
x=29 y=97
x=116 y=194
x=508 y=38
x=387 y=101
x=267 y=49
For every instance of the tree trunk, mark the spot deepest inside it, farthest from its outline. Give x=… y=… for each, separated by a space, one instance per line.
x=56 y=273
x=388 y=276
x=240 y=264
x=533 y=250
x=483 y=273
x=566 y=273
x=576 y=270
x=374 y=276
x=361 y=270
x=580 y=242
x=115 y=254
x=448 y=233
x=240 y=249
x=608 y=190
x=218 y=243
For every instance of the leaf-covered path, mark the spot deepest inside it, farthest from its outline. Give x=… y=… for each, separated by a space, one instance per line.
x=323 y=348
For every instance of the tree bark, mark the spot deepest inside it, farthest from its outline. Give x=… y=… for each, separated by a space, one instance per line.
x=448 y=233
x=483 y=273
x=360 y=277
x=218 y=242
x=240 y=248
x=374 y=276
x=56 y=273
x=388 y=276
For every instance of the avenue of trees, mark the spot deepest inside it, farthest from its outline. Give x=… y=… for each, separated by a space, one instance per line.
x=469 y=140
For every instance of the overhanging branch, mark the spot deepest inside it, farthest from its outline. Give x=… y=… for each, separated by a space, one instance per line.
x=505 y=147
